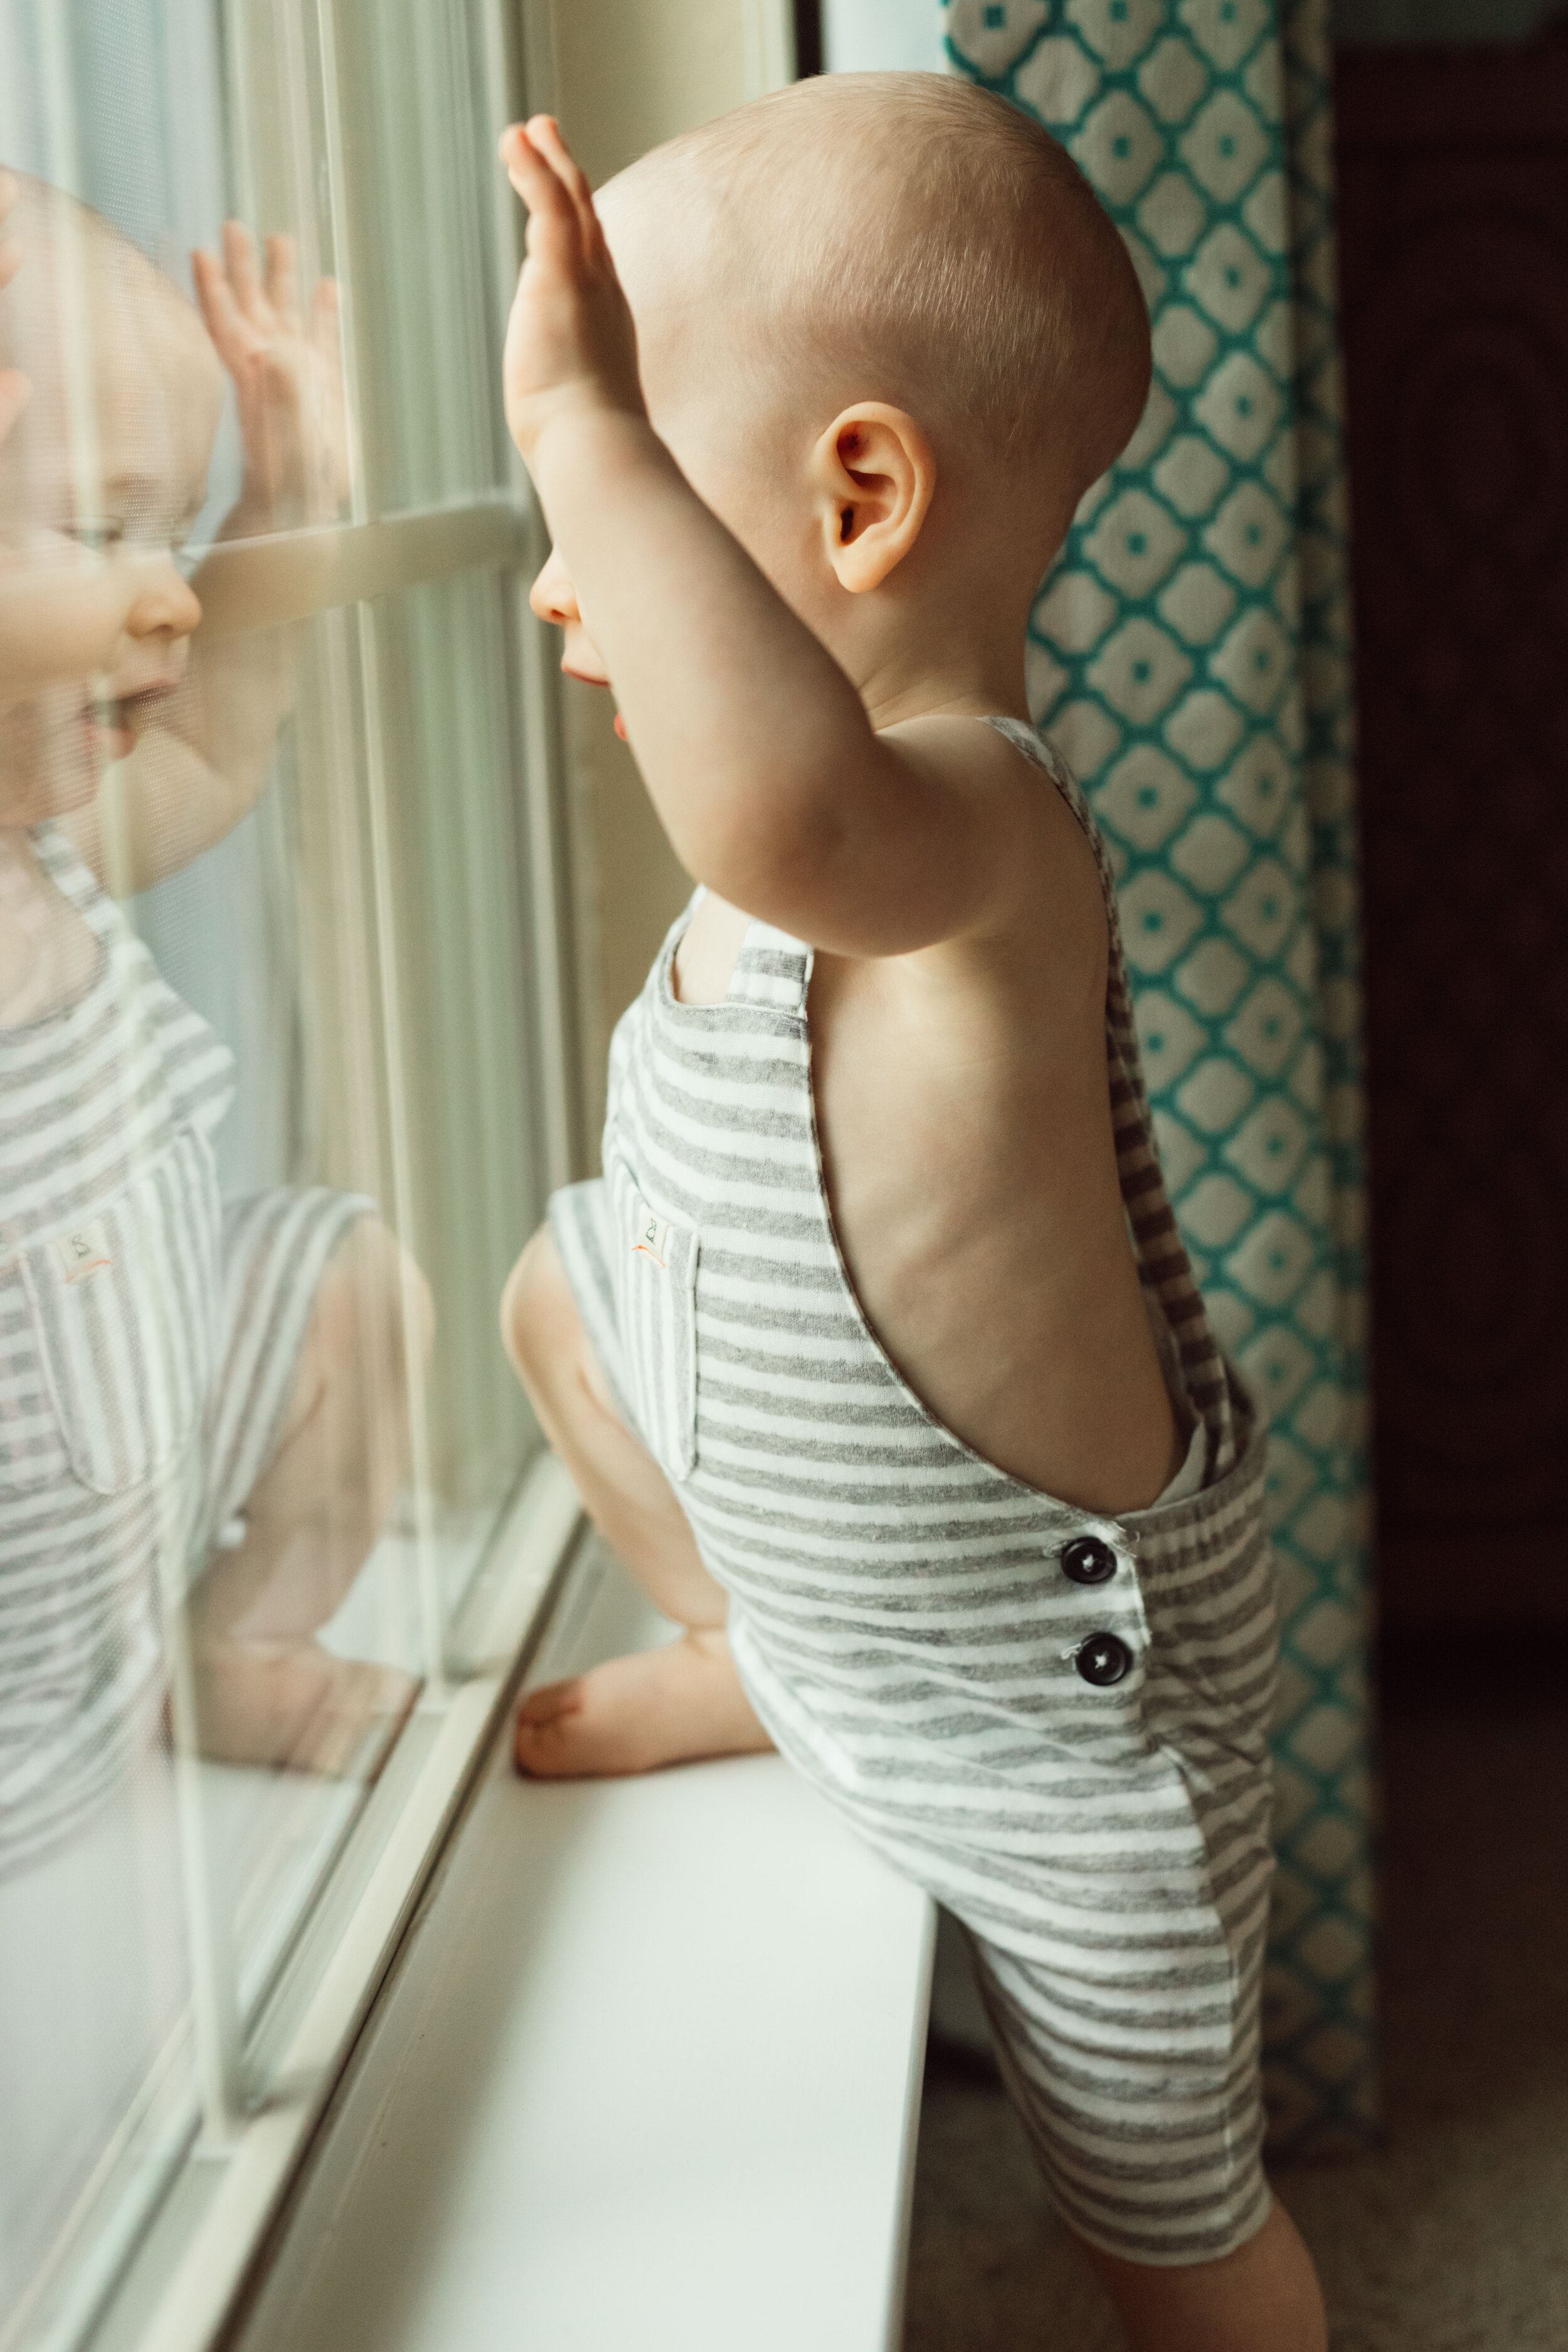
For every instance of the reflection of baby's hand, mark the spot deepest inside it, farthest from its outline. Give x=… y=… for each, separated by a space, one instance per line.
x=15 y=394
x=288 y=376
x=14 y=387
x=570 y=342
x=10 y=254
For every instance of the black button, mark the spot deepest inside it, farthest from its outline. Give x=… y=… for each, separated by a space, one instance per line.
x=1103 y=1660
x=1088 y=1560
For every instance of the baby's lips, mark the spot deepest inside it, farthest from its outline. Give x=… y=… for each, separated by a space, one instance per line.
x=587 y=677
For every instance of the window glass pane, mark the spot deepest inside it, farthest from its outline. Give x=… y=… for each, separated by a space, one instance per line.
x=475 y=1169
x=273 y=1106
x=391 y=95
x=422 y=228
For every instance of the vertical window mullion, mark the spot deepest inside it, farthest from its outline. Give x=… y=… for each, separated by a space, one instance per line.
x=406 y=1216
x=364 y=502
x=237 y=85
x=544 y=785
x=525 y=84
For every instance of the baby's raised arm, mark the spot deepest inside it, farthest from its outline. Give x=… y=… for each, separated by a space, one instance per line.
x=775 y=786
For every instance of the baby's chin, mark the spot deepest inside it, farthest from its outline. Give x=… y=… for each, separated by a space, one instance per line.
x=50 y=766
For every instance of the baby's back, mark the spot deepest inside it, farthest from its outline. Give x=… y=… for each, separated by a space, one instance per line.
x=963 y=1114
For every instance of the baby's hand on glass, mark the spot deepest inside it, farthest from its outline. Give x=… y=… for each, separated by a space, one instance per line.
x=287 y=377
x=14 y=387
x=569 y=341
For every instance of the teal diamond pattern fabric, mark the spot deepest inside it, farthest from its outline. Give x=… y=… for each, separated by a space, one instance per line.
x=1190 y=652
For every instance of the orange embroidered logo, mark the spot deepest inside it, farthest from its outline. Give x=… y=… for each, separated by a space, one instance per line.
x=81 y=1252
x=653 y=1237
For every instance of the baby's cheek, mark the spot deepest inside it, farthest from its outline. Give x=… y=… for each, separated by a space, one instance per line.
x=62 y=622
x=48 y=762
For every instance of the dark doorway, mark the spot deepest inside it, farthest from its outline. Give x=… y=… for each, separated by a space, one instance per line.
x=1453 y=262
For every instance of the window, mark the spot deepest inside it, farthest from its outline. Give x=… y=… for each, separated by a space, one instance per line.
x=287 y=1068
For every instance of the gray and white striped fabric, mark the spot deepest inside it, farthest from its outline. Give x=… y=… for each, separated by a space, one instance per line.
x=148 y=1339
x=1054 y=1720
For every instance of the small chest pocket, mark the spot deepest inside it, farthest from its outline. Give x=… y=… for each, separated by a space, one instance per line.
x=656 y=1309
x=116 y=1348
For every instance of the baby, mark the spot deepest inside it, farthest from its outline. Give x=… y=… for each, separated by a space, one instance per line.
x=875 y=1353
x=189 y=1388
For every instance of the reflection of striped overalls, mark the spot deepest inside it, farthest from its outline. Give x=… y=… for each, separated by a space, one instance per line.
x=148 y=1341
x=1054 y=1720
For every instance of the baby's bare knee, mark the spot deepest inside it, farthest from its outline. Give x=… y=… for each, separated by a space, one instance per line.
x=373 y=1305
x=542 y=1333
x=538 y=1313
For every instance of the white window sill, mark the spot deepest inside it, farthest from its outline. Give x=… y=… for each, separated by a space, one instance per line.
x=194 y=2204
x=647 y=2076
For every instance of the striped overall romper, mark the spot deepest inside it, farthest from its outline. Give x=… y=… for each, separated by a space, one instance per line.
x=149 y=1333
x=1054 y=1720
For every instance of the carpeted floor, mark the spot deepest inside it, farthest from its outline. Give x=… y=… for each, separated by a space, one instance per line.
x=1453 y=2235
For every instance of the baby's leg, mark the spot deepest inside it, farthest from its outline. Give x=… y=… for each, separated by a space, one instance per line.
x=664 y=1706
x=1264 y=2297
x=267 y=1692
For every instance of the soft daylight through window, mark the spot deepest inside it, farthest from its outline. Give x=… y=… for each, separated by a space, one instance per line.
x=277 y=1025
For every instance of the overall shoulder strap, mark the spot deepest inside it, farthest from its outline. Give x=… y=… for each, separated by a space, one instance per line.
x=57 y=854
x=772 y=970
x=1157 y=1245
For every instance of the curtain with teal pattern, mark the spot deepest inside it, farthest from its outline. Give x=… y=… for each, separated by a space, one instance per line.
x=1190 y=651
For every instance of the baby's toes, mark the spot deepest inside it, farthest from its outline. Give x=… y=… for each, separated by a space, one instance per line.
x=542 y=1725
x=552 y=1701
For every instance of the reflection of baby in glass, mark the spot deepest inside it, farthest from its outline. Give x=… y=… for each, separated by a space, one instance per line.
x=181 y=1380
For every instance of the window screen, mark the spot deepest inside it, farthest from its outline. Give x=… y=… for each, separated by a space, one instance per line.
x=283 y=1029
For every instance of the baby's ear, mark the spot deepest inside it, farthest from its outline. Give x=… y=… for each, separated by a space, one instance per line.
x=874 y=471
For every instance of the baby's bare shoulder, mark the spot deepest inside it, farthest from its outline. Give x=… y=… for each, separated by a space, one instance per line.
x=1046 y=910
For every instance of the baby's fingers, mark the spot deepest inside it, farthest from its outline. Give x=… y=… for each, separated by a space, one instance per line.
x=553 y=216
x=10 y=254
x=15 y=390
x=239 y=262
x=283 y=282
x=324 y=308
x=235 y=340
x=527 y=169
x=213 y=297
x=544 y=133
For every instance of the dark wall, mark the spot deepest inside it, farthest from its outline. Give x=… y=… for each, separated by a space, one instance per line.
x=1454 y=254
x=1379 y=24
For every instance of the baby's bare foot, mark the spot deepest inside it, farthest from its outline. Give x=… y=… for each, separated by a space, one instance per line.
x=632 y=1714
x=292 y=1706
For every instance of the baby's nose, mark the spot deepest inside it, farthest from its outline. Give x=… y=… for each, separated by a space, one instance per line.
x=165 y=604
x=552 y=596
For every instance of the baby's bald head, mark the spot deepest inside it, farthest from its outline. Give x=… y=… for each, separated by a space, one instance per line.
x=901 y=237
x=111 y=348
